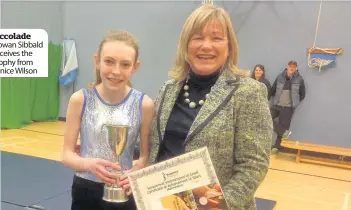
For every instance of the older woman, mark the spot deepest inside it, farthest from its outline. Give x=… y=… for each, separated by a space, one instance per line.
x=210 y=102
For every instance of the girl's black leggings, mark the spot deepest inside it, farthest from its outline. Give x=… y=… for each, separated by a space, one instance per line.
x=87 y=195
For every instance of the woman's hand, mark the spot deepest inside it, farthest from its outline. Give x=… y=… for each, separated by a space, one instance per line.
x=98 y=168
x=123 y=179
x=124 y=183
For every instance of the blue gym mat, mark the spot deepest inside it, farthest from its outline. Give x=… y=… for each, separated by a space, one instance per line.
x=21 y=176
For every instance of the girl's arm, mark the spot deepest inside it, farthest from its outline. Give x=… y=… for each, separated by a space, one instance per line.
x=73 y=117
x=147 y=116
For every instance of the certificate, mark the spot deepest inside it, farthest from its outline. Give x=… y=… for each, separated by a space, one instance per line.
x=186 y=182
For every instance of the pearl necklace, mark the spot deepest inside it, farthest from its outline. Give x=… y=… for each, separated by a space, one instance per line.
x=187 y=100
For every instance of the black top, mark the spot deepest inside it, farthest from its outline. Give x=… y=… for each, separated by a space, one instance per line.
x=268 y=86
x=182 y=116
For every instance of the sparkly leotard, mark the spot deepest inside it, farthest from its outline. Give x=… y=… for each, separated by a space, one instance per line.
x=93 y=135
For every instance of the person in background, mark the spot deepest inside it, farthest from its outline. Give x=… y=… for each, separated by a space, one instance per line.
x=208 y=93
x=110 y=100
x=259 y=75
x=288 y=91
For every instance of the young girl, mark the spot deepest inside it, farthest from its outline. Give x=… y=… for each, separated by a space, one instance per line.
x=110 y=100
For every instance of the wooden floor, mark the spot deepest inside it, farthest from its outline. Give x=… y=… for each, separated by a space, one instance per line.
x=294 y=186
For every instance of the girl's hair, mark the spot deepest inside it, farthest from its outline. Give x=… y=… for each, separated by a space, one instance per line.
x=261 y=67
x=194 y=24
x=122 y=36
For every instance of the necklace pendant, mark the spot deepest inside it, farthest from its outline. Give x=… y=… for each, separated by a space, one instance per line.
x=192 y=105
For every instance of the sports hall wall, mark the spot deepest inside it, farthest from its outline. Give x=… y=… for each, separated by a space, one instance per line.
x=269 y=33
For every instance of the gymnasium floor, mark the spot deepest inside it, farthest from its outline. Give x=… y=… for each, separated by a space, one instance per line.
x=38 y=146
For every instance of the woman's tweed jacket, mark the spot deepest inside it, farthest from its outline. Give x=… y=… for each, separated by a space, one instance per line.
x=235 y=125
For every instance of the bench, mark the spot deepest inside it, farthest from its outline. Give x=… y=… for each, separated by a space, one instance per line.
x=324 y=149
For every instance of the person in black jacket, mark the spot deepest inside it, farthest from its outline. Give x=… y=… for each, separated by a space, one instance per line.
x=288 y=91
x=259 y=75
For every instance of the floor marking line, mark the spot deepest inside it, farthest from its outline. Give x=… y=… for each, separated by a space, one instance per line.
x=50 y=142
x=54 y=134
x=47 y=141
x=35 y=149
x=15 y=204
x=294 y=172
x=35 y=139
x=13 y=137
x=20 y=142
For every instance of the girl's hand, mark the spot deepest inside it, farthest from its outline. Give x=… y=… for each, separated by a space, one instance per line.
x=124 y=183
x=98 y=168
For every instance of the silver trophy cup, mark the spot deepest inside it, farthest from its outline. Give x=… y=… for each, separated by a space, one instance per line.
x=117 y=139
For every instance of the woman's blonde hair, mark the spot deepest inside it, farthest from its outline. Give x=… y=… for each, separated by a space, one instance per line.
x=122 y=36
x=194 y=24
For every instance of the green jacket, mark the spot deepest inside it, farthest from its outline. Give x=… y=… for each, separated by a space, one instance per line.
x=235 y=125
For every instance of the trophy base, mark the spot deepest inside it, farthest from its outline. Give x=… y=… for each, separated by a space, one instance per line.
x=114 y=194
